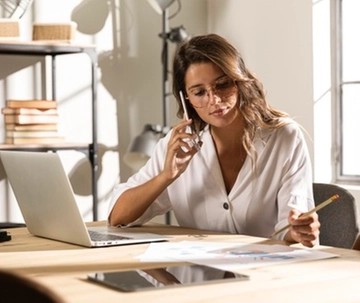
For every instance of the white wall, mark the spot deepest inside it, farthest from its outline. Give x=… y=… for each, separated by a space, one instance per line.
x=275 y=38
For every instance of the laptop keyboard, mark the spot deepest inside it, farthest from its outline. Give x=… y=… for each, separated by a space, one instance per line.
x=96 y=236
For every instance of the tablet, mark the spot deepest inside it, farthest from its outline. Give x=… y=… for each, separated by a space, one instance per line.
x=157 y=278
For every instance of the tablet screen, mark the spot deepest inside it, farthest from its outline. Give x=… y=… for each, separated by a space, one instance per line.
x=156 y=278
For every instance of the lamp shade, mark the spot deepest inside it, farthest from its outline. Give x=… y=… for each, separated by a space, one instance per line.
x=160 y=5
x=178 y=35
x=90 y=16
x=141 y=148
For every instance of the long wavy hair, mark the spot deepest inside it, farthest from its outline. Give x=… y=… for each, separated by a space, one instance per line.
x=251 y=95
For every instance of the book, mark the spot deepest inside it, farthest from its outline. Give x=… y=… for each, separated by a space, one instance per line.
x=39 y=104
x=28 y=111
x=31 y=134
x=31 y=127
x=44 y=140
x=31 y=119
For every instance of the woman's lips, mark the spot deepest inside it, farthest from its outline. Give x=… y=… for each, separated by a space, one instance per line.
x=219 y=112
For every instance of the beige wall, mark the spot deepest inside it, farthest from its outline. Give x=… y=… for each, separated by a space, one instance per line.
x=275 y=38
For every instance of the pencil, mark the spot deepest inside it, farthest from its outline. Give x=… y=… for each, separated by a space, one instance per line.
x=320 y=206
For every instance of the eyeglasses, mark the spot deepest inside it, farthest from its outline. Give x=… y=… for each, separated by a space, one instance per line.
x=199 y=96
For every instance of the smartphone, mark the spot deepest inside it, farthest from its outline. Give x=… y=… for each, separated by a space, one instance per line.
x=188 y=128
x=164 y=277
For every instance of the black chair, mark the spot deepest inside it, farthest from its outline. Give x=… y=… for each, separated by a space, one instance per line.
x=17 y=288
x=339 y=220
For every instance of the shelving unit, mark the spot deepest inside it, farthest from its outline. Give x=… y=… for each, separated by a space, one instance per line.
x=54 y=49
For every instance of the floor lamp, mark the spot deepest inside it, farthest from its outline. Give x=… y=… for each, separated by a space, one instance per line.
x=142 y=146
x=140 y=149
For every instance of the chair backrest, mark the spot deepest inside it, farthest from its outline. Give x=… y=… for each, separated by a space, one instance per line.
x=339 y=220
x=16 y=288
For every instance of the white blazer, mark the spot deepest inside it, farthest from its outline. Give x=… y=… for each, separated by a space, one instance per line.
x=259 y=201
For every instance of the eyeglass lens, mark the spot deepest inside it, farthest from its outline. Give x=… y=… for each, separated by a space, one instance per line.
x=222 y=88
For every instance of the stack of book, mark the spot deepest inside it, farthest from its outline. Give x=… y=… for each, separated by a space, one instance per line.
x=31 y=121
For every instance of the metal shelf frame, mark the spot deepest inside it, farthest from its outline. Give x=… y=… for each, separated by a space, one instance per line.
x=53 y=49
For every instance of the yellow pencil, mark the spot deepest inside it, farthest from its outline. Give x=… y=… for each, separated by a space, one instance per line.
x=320 y=206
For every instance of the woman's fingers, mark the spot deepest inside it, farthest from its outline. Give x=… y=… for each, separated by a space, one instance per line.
x=304 y=229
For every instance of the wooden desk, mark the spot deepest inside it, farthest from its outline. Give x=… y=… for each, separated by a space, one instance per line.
x=63 y=267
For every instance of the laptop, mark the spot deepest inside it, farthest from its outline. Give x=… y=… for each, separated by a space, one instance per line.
x=48 y=205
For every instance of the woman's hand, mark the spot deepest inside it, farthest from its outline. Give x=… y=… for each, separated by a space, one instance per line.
x=177 y=159
x=305 y=230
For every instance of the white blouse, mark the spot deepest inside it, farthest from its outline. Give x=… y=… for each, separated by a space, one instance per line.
x=260 y=199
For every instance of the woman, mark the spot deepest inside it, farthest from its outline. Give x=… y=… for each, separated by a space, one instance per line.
x=252 y=174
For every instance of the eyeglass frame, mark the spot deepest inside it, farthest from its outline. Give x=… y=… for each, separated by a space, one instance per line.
x=211 y=88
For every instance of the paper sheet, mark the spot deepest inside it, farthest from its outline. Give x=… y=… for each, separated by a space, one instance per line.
x=229 y=255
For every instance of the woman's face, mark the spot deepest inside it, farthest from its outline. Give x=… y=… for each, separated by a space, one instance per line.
x=212 y=94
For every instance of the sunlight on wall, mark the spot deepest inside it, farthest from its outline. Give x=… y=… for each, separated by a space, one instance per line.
x=322 y=92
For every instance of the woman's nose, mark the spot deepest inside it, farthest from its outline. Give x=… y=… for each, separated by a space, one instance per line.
x=213 y=97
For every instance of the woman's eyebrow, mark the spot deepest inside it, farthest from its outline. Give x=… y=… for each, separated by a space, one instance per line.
x=200 y=85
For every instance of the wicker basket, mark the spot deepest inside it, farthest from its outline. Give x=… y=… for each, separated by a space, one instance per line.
x=54 y=31
x=9 y=29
